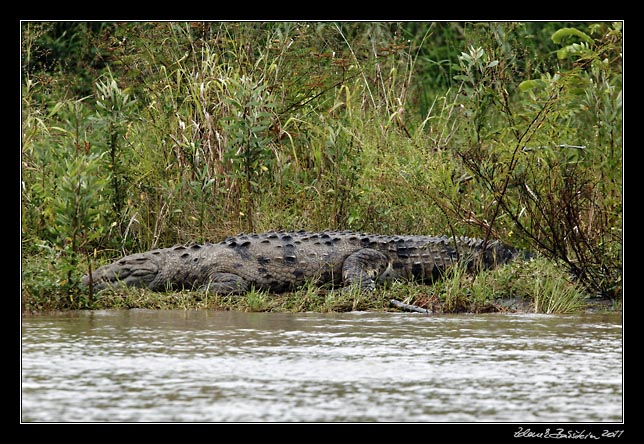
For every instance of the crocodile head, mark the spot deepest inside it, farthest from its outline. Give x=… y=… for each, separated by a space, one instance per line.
x=497 y=253
x=137 y=270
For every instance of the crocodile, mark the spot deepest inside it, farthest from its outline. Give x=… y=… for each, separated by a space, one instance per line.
x=283 y=261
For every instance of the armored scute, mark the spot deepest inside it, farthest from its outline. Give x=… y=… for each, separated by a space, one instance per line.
x=282 y=261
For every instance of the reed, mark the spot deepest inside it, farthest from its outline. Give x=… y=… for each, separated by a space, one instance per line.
x=555 y=294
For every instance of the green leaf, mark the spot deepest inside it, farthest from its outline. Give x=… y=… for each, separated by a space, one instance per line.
x=462 y=78
x=563 y=34
x=574 y=50
x=527 y=85
x=465 y=56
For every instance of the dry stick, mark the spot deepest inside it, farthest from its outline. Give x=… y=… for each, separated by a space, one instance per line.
x=408 y=307
x=513 y=161
x=91 y=281
x=302 y=103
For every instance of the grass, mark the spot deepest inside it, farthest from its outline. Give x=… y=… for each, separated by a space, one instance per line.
x=554 y=294
x=535 y=286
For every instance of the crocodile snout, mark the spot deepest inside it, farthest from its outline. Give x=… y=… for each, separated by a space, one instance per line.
x=137 y=271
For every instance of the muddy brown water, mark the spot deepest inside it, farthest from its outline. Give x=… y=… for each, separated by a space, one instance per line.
x=211 y=366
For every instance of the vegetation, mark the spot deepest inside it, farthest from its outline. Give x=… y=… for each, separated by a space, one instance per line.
x=141 y=135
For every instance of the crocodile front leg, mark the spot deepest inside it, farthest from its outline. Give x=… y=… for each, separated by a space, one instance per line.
x=363 y=268
x=225 y=283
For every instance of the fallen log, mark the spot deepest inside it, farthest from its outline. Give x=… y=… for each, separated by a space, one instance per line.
x=409 y=307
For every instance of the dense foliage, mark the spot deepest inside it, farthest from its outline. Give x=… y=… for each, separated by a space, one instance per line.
x=140 y=135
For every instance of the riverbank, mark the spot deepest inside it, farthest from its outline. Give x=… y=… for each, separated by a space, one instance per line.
x=536 y=286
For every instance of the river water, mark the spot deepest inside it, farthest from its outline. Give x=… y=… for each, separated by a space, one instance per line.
x=213 y=366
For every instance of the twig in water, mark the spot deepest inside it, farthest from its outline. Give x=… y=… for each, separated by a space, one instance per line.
x=408 y=307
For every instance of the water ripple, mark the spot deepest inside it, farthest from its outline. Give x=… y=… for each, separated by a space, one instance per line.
x=215 y=366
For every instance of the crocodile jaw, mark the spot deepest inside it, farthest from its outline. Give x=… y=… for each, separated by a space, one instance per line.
x=138 y=270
